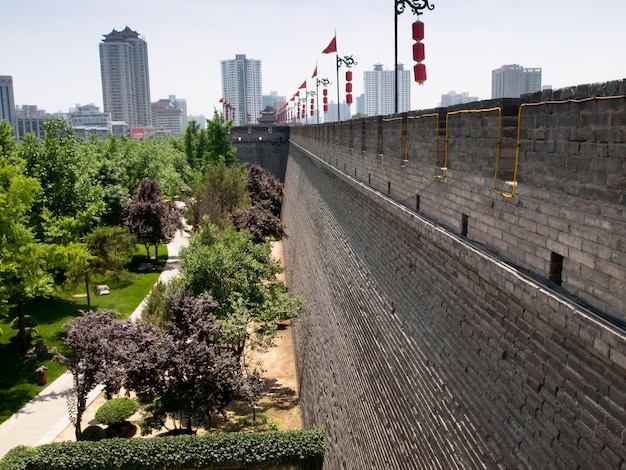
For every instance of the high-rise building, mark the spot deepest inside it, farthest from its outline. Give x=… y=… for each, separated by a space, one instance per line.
x=241 y=88
x=7 y=102
x=126 y=78
x=510 y=81
x=380 y=92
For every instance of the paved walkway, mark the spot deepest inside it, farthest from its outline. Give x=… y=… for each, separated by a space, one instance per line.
x=42 y=419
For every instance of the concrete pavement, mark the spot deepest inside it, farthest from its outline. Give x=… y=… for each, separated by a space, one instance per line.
x=42 y=419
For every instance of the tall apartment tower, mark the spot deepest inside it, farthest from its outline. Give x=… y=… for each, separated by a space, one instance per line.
x=510 y=81
x=126 y=78
x=380 y=94
x=241 y=88
x=7 y=102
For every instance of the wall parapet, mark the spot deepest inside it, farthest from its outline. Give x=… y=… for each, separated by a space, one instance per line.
x=539 y=180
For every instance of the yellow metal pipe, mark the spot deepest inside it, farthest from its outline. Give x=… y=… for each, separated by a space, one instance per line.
x=463 y=111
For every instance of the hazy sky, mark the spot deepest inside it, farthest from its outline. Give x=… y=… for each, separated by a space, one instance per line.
x=50 y=47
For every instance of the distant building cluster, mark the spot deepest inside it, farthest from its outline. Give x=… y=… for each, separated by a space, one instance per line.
x=129 y=111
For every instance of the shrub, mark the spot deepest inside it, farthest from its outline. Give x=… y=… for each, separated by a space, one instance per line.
x=93 y=433
x=301 y=449
x=116 y=411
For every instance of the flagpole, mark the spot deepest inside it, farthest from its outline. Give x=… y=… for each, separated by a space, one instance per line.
x=338 y=63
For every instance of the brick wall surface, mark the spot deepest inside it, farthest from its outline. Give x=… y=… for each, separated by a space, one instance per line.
x=423 y=348
x=419 y=351
x=267 y=146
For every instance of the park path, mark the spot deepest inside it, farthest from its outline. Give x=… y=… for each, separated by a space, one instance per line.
x=42 y=419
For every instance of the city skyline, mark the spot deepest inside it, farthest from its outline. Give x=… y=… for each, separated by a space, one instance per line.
x=55 y=63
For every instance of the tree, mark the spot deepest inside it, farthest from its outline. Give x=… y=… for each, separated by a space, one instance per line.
x=241 y=277
x=261 y=218
x=151 y=219
x=203 y=376
x=116 y=353
x=23 y=260
x=66 y=175
x=222 y=190
x=265 y=189
x=219 y=148
x=112 y=248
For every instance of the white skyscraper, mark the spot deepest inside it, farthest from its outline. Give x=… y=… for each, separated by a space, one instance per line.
x=126 y=78
x=380 y=94
x=242 y=89
x=510 y=81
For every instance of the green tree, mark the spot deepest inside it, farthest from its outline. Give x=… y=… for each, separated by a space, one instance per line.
x=222 y=190
x=23 y=265
x=241 y=277
x=220 y=148
x=65 y=174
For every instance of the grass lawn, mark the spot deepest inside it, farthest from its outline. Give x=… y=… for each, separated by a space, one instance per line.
x=18 y=379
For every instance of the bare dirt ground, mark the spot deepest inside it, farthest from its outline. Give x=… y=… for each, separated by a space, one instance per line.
x=280 y=402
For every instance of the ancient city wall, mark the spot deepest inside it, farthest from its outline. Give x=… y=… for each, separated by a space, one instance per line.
x=267 y=146
x=465 y=298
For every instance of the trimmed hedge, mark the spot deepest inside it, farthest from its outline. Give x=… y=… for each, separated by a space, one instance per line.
x=303 y=449
x=116 y=411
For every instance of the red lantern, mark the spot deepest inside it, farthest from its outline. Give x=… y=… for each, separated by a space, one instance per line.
x=418 y=52
x=349 y=98
x=325 y=100
x=325 y=108
x=348 y=75
x=418 y=31
x=419 y=70
x=325 y=92
x=348 y=87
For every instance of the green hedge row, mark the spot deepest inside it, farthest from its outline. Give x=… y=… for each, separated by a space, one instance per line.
x=303 y=449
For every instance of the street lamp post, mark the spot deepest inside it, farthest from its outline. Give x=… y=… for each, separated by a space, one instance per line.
x=348 y=61
x=416 y=7
x=323 y=82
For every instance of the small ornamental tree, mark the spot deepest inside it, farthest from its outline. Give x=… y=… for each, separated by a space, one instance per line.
x=261 y=218
x=201 y=376
x=116 y=353
x=151 y=218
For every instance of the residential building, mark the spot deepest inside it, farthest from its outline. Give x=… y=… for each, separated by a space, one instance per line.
x=380 y=92
x=452 y=97
x=510 y=81
x=167 y=118
x=126 y=78
x=88 y=120
x=241 y=89
x=29 y=119
x=7 y=102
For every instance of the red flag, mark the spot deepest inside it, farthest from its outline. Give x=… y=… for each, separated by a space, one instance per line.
x=303 y=85
x=221 y=100
x=297 y=93
x=314 y=72
x=332 y=47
